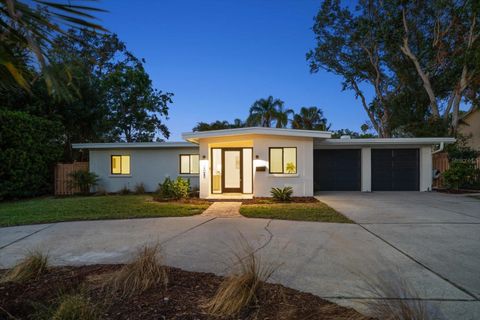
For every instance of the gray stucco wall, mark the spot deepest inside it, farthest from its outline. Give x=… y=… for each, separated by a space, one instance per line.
x=147 y=166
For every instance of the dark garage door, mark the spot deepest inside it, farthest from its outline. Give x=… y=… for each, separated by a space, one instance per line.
x=337 y=170
x=395 y=170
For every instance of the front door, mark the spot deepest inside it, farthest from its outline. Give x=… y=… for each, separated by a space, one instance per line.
x=232 y=170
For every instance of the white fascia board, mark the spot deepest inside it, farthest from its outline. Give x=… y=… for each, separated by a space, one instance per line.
x=383 y=141
x=134 y=145
x=195 y=136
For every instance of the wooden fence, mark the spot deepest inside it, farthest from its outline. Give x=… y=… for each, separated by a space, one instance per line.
x=440 y=162
x=62 y=177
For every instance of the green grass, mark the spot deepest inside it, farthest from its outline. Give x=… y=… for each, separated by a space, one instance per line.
x=316 y=211
x=44 y=210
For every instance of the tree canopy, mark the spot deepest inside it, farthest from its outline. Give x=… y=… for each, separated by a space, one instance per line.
x=420 y=58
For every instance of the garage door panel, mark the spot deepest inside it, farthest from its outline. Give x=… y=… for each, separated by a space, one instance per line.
x=395 y=169
x=337 y=170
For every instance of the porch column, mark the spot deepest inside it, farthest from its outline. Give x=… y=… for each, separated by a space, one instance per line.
x=366 y=169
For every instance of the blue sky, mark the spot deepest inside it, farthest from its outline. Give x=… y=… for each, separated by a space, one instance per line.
x=219 y=56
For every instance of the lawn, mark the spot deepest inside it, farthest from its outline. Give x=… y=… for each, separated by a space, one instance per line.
x=316 y=211
x=43 y=210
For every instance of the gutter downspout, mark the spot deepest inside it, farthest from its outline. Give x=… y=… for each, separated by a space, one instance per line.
x=440 y=148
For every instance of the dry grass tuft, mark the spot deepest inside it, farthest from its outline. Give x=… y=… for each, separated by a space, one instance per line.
x=144 y=272
x=240 y=289
x=32 y=266
x=398 y=301
x=75 y=307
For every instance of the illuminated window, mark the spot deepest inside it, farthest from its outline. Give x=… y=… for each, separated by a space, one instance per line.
x=120 y=165
x=283 y=160
x=189 y=164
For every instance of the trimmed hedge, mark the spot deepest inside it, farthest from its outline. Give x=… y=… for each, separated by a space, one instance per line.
x=29 y=148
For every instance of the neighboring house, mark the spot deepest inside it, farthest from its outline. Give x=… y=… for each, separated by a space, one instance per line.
x=247 y=162
x=469 y=126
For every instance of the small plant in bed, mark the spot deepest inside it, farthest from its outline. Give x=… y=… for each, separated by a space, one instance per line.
x=83 y=180
x=31 y=267
x=282 y=194
x=173 y=189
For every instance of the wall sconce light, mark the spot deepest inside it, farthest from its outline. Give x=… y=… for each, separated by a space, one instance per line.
x=204 y=157
x=256 y=156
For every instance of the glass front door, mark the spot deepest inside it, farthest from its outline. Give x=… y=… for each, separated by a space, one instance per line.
x=232 y=170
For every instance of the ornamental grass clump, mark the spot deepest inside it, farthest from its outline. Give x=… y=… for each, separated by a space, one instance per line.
x=142 y=273
x=75 y=307
x=240 y=289
x=31 y=267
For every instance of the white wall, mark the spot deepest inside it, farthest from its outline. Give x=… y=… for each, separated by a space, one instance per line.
x=426 y=168
x=302 y=182
x=147 y=166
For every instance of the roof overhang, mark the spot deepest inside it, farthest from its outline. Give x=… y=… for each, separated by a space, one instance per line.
x=196 y=136
x=383 y=142
x=134 y=145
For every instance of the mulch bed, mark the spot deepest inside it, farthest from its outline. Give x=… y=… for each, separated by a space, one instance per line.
x=183 y=298
x=266 y=200
x=458 y=191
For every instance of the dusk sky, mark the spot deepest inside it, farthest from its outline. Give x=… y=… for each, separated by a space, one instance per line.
x=219 y=56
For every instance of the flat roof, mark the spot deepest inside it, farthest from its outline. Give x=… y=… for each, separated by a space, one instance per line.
x=383 y=141
x=134 y=145
x=195 y=136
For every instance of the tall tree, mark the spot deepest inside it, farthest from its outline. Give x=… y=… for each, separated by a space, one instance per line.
x=23 y=26
x=420 y=58
x=282 y=116
x=137 y=109
x=310 y=118
x=263 y=112
x=219 y=125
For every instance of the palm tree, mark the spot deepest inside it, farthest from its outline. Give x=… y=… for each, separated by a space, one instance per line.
x=310 y=118
x=28 y=30
x=282 y=117
x=263 y=112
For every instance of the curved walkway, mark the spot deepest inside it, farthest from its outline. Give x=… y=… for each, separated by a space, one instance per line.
x=334 y=261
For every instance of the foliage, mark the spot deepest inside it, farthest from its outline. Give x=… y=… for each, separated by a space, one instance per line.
x=124 y=191
x=31 y=30
x=83 y=180
x=461 y=174
x=264 y=112
x=282 y=194
x=290 y=167
x=219 y=125
x=353 y=134
x=139 y=188
x=75 y=307
x=33 y=265
x=174 y=189
x=30 y=146
x=143 y=272
x=419 y=59
x=241 y=287
x=310 y=118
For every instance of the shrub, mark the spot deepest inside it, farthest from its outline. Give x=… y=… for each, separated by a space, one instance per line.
x=282 y=194
x=83 y=180
x=139 y=188
x=461 y=174
x=174 y=189
x=30 y=146
x=144 y=272
x=124 y=191
x=32 y=266
x=241 y=287
x=75 y=307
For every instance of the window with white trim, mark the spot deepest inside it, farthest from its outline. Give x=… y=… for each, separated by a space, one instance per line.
x=120 y=164
x=189 y=164
x=283 y=160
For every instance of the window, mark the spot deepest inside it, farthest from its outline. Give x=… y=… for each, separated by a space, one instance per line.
x=189 y=164
x=121 y=165
x=283 y=160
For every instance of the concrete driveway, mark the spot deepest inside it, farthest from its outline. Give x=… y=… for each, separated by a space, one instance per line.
x=434 y=247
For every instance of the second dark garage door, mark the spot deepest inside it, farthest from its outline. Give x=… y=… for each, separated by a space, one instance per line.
x=395 y=170
x=337 y=170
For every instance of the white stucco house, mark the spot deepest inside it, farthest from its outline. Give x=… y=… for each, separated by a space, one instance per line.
x=248 y=162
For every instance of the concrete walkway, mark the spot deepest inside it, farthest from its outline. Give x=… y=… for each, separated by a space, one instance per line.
x=223 y=210
x=334 y=261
